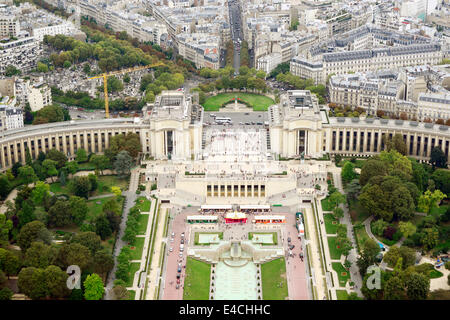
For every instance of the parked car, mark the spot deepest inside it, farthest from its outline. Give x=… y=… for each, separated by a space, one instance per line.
x=173 y=234
x=182 y=235
x=182 y=241
x=181 y=255
x=289 y=239
x=179 y=269
x=178 y=276
x=178 y=281
x=170 y=249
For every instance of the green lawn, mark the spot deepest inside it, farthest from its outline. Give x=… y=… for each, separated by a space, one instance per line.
x=142 y=223
x=258 y=102
x=326 y=206
x=335 y=252
x=143 y=204
x=104 y=186
x=132 y=295
x=95 y=206
x=196 y=284
x=133 y=269
x=342 y=294
x=274 y=284
x=136 y=248
x=342 y=273
x=434 y=274
x=361 y=236
x=329 y=226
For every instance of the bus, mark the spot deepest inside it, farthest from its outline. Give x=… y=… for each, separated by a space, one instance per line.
x=222 y=120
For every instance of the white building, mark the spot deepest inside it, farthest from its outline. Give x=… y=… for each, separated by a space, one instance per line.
x=269 y=62
x=39 y=96
x=10 y=116
x=23 y=54
x=66 y=29
x=9 y=26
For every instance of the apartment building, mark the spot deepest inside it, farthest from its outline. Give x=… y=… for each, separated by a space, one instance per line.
x=201 y=49
x=10 y=116
x=23 y=53
x=39 y=96
x=9 y=26
x=368 y=60
x=269 y=62
x=433 y=106
x=66 y=28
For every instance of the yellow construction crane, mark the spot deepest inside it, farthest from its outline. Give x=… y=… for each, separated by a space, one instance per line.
x=106 y=75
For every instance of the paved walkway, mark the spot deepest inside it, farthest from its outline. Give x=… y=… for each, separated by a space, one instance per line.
x=154 y=269
x=130 y=198
x=136 y=285
x=319 y=280
x=355 y=276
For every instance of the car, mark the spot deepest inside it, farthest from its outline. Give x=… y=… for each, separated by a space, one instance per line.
x=178 y=286
x=182 y=234
x=259 y=123
x=291 y=247
x=212 y=115
x=179 y=265
x=289 y=239
x=178 y=276
x=246 y=113
x=182 y=241
x=173 y=234
x=247 y=123
x=170 y=249
x=179 y=269
x=171 y=239
x=178 y=281
x=181 y=255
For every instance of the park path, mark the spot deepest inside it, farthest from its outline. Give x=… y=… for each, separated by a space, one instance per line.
x=319 y=281
x=355 y=276
x=138 y=287
x=154 y=269
x=130 y=198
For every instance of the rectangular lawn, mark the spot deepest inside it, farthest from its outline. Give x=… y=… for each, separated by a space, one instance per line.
x=143 y=204
x=133 y=269
x=196 y=284
x=96 y=206
x=136 y=248
x=142 y=223
x=335 y=252
x=326 y=206
x=329 y=226
x=342 y=273
x=274 y=283
x=259 y=102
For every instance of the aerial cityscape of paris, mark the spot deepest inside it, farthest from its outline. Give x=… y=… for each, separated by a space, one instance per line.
x=243 y=150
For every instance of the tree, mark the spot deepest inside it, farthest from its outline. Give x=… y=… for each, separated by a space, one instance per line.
x=336 y=198
x=123 y=163
x=379 y=226
x=40 y=255
x=441 y=177
x=348 y=172
x=417 y=286
x=120 y=293
x=116 y=191
x=9 y=262
x=438 y=158
x=78 y=209
x=372 y=198
x=6 y=294
x=59 y=214
x=12 y=71
x=40 y=192
x=27 y=175
x=395 y=253
x=5 y=186
x=394 y=289
x=56 y=282
x=93 y=180
x=57 y=156
x=31 y=232
x=338 y=213
x=81 y=186
x=130 y=142
x=103 y=262
x=93 y=287
x=102 y=226
x=88 y=239
x=6 y=225
x=369 y=252
x=81 y=155
x=397 y=143
x=371 y=168
x=407 y=228
x=100 y=162
x=429 y=200
x=430 y=238
x=72 y=167
x=74 y=254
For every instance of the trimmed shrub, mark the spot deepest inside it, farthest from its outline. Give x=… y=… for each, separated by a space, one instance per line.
x=389 y=232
